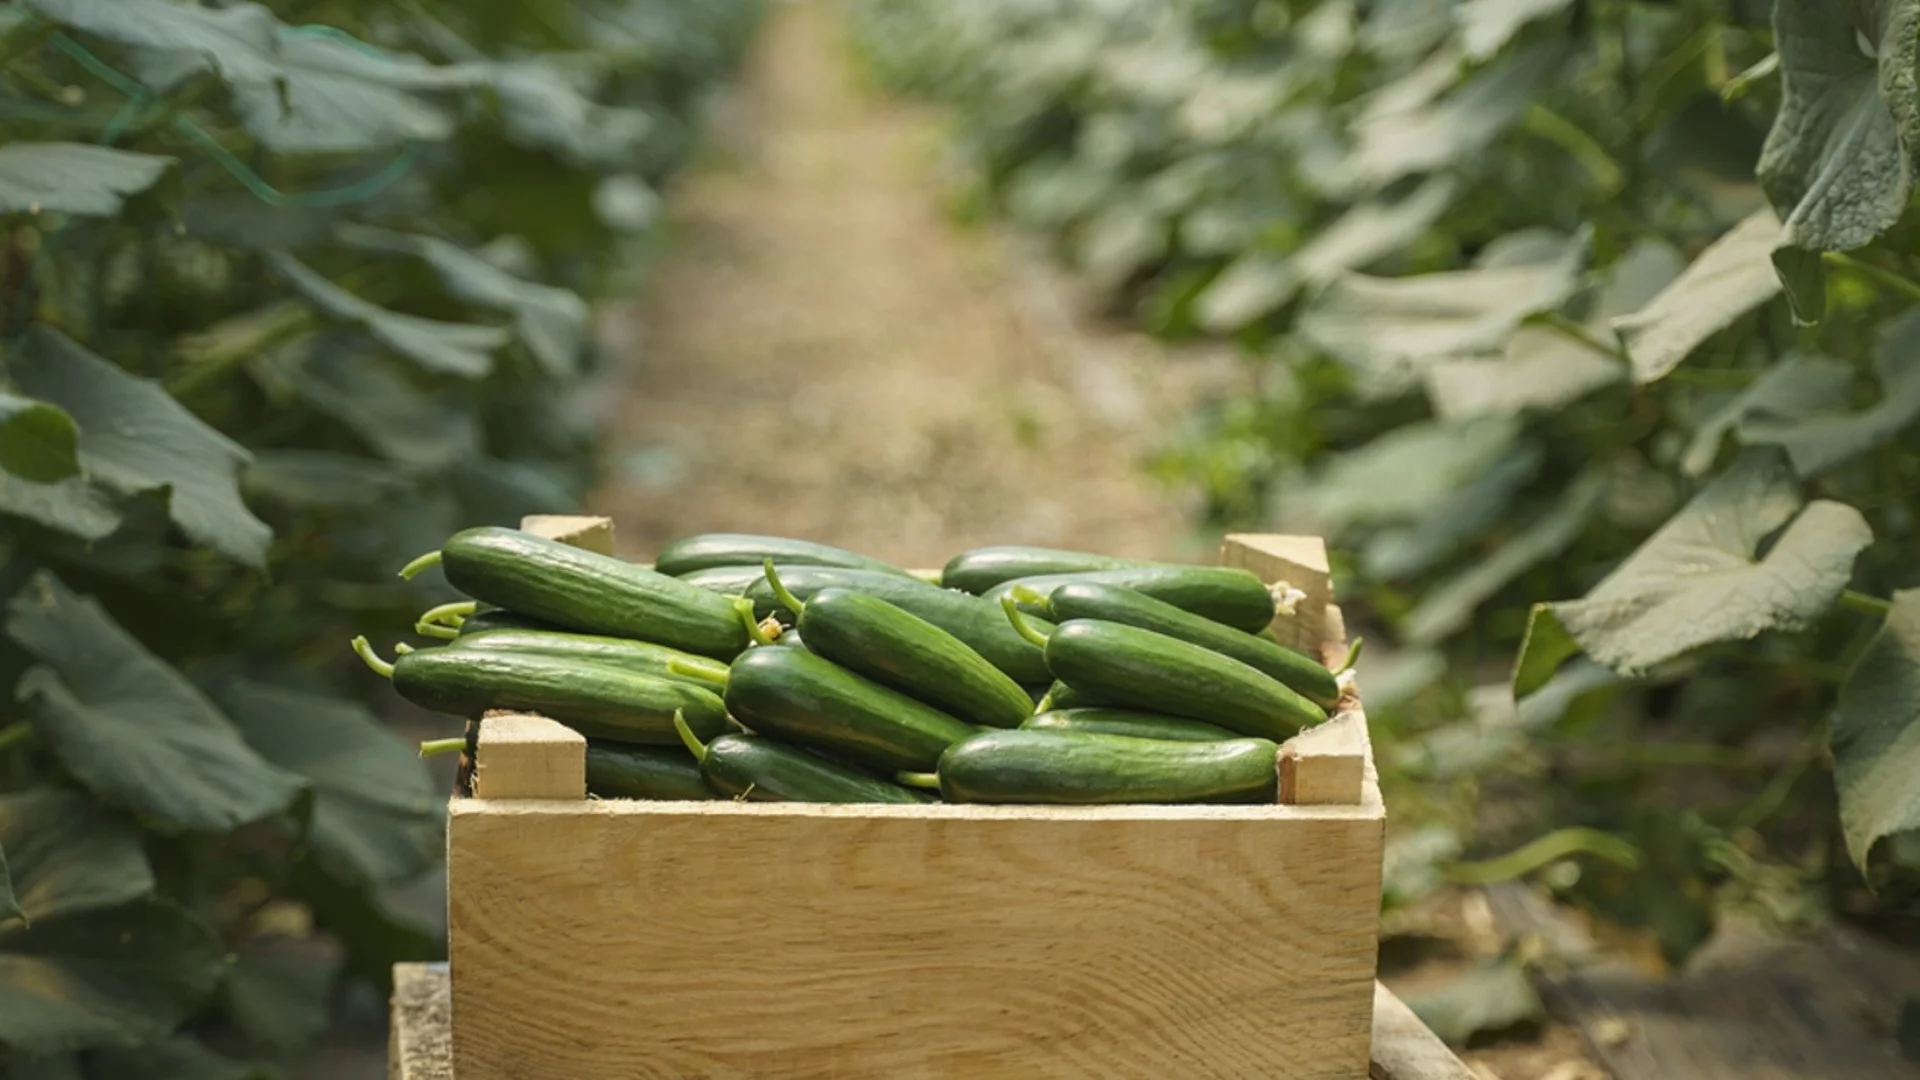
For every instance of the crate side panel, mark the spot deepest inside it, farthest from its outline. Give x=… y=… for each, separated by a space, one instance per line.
x=590 y=946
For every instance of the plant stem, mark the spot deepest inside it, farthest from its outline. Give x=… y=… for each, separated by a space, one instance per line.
x=1582 y=147
x=1885 y=278
x=433 y=747
x=1866 y=605
x=1548 y=849
x=14 y=734
x=1580 y=335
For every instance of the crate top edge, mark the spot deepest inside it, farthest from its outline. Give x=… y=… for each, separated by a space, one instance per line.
x=1142 y=813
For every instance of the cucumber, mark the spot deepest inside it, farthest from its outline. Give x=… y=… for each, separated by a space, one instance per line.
x=1141 y=669
x=790 y=637
x=755 y=768
x=726 y=580
x=619 y=771
x=1229 y=595
x=982 y=568
x=707 y=551
x=1083 y=768
x=1140 y=725
x=592 y=697
x=1114 y=603
x=1062 y=696
x=798 y=697
x=979 y=623
x=871 y=637
x=642 y=657
x=585 y=591
x=502 y=619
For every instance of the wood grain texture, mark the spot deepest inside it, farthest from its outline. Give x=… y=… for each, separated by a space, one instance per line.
x=420 y=1023
x=1751 y=1005
x=779 y=941
x=1326 y=765
x=1298 y=561
x=591 y=533
x=1403 y=1049
x=522 y=756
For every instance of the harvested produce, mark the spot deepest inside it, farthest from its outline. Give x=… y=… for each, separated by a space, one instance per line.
x=802 y=698
x=762 y=769
x=982 y=568
x=1141 y=725
x=1077 y=767
x=708 y=551
x=640 y=657
x=624 y=771
x=1224 y=594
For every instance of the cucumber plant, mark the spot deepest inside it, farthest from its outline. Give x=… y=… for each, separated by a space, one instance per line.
x=288 y=292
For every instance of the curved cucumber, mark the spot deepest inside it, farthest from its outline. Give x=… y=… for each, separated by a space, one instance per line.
x=1115 y=603
x=760 y=769
x=979 y=623
x=1229 y=595
x=589 y=592
x=1140 y=725
x=896 y=648
x=1078 y=767
x=640 y=657
x=618 y=771
x=707 y=551
x=726 y=580
x=594 y=698
x=798 y=697
x=982 y=568
x=1135 y=668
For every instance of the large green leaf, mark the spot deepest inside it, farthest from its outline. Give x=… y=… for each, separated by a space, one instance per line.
x=236 y=41
x=374 y=802
x=38 y=441
x=135 y=438
x=1795 y=387
x=321 y=479
x=1730 y=278
x=452 y=348
x=1387 y=331
x=1822 y=432
x=178 y=1058
x=9 y=902
x=1492 y=997
x=544 y=106
x=73 y=178
x=130 y=727
x=1403 y=474
x=1487 y=25
x=69 y=855
x=123 y=975
x=1545 y=369
x=74 y=506
x=1259 y=283
x=1840 y=159
x=279 y=992
x=1450 y=605
x=1875 y=734
x=1433 y=136
x=551 y=322
x=346 y=380
x=1699 y=579
x=1406 y=551
x=333 y=96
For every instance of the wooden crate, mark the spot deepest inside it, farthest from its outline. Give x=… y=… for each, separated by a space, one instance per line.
x=624 y=939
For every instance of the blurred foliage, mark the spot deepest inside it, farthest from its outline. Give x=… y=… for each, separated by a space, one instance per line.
x=1605 y=300
x=287 y=293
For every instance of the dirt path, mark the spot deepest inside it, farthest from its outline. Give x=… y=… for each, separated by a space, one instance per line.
x=822 y=353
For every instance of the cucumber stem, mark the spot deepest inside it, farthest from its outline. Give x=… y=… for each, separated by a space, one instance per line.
x=440 y=631
x=1045 y=704
x=688 y=738
x=704 y=672
x=1020 y=624
x=787 y=600
x=372 y=659
x=435 y=747
x=452 y=614
x=431 y=558
x=918 y=779
x=1353 y=654
x=744 y=608
x=402 y=648
x=1027 y=595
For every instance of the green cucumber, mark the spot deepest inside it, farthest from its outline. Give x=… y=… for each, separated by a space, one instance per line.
x=1140 y=725
x=502 y=619
x=1134 y=668
x=726 y=580
x=1084 y=768
x=597 y=699
x=1229 y=595
x=1114 y=603
x=893 y=647
x=620 y=771
x=585 y=591
x=801 y=698
x=982 y=568
x=642 y=657
x=755 y=768
x=707 y=551
x=1062 y=696
x=979 y=623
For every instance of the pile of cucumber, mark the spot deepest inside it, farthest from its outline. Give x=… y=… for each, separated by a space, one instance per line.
x=767 y=668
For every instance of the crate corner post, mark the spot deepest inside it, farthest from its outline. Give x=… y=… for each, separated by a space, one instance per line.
x=1300 y=564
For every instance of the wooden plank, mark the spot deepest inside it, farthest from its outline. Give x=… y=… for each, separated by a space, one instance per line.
x=522 y=756
x=803 y=940
x=1403 y=1049
x=1298 y=562
x=1326 y=765
x=420 y=1023
x=582 y=531
x=1751 y=1005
